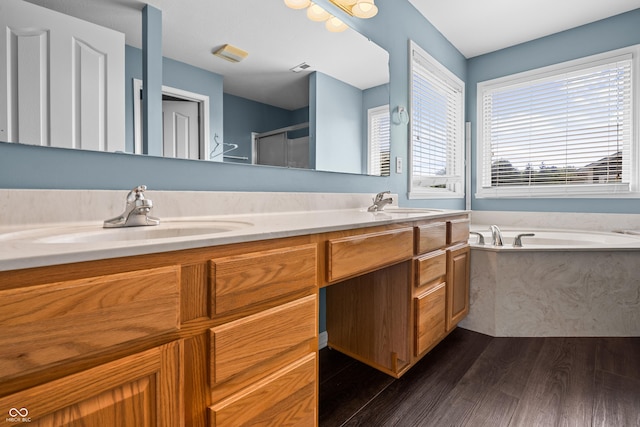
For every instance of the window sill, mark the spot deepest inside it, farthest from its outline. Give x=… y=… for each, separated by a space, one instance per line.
x=619 y=192
x=435 y=195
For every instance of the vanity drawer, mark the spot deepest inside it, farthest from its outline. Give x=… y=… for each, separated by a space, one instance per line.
x=458 y=231
x=245 y=280
x=430 y=312
x=49 y=323
x=244 y=344
x=288 y=397
x=349 y=256
x=430 y=237
x=431 y=267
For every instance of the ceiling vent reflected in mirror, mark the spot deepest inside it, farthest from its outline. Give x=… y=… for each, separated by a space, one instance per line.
x=358 y=8
x=300 y=67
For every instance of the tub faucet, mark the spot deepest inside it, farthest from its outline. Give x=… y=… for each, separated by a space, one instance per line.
x=136 y=211
x=379 y=202
x=496 y=235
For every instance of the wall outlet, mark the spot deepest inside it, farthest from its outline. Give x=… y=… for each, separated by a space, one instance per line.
x=398 y=164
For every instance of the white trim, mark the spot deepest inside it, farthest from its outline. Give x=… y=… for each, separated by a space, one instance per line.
x=572 y=191
x=254 y=148
x=202 y=100
x=137 y=117
x=417 y=192
x=323 y=340
x=375 y=111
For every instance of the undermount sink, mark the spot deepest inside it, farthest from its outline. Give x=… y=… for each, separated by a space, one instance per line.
x=96 y=234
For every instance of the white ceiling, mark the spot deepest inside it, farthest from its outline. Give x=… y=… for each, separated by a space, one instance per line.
x=476 y=27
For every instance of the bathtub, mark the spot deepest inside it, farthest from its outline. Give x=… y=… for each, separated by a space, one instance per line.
x=556 y=240
x=559 y=283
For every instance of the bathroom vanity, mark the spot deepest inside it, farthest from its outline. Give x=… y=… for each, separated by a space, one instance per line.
x=224 y=330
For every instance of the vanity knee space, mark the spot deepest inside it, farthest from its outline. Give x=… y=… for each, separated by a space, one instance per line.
x=392 y=315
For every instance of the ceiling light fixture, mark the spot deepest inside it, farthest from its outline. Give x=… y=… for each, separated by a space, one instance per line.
x=359 y=8
x=231 y=53
x=317 y=13
x=335 y=25
x=364 y=9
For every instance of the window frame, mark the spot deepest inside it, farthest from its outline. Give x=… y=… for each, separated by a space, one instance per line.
x=371 y=113
x=618 y=190
x=457 y=188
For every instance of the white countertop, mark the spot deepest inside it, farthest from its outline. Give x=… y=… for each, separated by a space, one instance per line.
x=26 y=246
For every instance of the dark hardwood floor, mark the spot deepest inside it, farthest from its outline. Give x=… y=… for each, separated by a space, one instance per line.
x=471 y=379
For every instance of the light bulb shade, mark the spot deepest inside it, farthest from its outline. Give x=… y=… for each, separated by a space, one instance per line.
x=297 y=4
x=345 y=2
x=365 y=9
x=316 y=13
x=335 y=25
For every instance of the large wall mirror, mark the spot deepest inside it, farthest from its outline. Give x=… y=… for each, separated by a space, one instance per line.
x=303 y=96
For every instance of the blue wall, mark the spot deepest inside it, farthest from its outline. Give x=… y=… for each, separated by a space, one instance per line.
x=337 y=114
x=396 y=23
x=601 y=36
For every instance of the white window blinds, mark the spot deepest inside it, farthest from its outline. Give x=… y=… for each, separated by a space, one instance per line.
x=571 y=130
x=437 y=128
x=379 y=141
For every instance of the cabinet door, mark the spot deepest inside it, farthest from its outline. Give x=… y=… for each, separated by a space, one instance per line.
x=430 y=308
x=137 y=391
x=457 y=284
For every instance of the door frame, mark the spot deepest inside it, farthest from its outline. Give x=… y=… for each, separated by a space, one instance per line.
x=203 y=112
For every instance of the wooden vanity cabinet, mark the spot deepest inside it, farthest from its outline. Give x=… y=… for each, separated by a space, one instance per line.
x=392 y=317
x=200 y=337
x=224 y=335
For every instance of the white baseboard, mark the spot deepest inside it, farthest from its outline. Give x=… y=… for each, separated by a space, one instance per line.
x=323 y=340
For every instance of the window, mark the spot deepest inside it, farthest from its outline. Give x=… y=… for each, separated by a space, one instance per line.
x=437 y=129
x=379 y=141
x=565 y=130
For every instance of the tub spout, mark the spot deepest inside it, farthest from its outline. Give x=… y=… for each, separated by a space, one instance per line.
x=496 y=235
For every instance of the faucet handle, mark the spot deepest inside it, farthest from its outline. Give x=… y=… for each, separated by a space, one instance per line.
x=480 y=237
x=380 y=195
x=517 y=242
x=136 y=193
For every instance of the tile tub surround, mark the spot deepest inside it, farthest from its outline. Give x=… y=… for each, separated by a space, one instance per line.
x=558 y=220
x=562 y=293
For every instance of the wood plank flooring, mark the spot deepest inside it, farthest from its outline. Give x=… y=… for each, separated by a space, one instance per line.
x=475 y=380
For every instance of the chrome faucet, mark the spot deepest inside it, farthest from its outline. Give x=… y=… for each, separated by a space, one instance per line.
x=496 y=235
x=379 y=202
x=136 y=212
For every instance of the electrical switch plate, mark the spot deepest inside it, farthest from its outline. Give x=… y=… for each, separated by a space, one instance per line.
x=398 y=164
